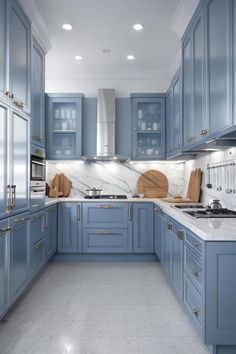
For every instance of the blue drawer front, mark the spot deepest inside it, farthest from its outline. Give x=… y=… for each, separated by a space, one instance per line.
x=37 y=227
x=37 y=257
x=105 y=215
x=106 y=241
x=193 y=267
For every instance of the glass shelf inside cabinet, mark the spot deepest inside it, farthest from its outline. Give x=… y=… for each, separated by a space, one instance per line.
x=148 y=144
x=149 y=117
x=64 y=117
x=64 y=144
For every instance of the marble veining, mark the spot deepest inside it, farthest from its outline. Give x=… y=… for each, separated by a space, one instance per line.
x=113 y=177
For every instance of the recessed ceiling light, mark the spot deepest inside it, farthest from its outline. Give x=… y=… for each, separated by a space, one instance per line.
x=106 y=51
x=78 y=57
x=138 y=27
x=130 y=57
x=67 y=27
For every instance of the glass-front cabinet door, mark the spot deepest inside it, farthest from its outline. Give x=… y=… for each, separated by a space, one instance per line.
x=64 y=126
x=148 y=127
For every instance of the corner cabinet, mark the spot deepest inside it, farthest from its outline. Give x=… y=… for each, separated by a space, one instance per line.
x=64 y=126
x=174 y=118
x=148 y=126
x=143 y=228
x=37 y=95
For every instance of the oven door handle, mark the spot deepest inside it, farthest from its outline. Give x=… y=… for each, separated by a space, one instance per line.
x=37 y=190
x=38 y=163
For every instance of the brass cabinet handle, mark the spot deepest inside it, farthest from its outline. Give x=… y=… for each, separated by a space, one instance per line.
x=19 y=104
x=180 y=234
x=46 y=220
x=195 y=272
x=13 y=198
x=9 y=198
x=196 y=244
x=195 y=311
x=78 y=213
x=5 y=229
x=38 y=246
x=105 y=233
x=170 y=226
x=130 y=212
x=158 y=209
x=105 y=206
x=35 y=205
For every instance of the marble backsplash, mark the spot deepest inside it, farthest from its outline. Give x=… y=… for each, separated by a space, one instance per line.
x=201 y=161
x=114 y=177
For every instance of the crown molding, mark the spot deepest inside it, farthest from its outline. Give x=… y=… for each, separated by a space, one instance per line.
x=64 y=73
x=39 y=29
x=182 y=16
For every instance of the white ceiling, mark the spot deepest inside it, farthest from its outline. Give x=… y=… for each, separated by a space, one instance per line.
x=99 y=24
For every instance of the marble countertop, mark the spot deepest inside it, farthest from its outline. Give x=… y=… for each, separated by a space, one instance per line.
x=207 y=229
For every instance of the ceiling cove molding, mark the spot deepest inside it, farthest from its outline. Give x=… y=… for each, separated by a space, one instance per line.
x=39 y=29
x=64 y=73
x=182 y=16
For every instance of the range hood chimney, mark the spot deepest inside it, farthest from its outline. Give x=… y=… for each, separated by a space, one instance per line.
x=105 y=128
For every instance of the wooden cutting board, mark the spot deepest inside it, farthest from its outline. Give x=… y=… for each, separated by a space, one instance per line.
x=153 y=184
x=194 y=186
x=65 y=185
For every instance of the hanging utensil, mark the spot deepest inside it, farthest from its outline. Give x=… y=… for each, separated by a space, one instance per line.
x=233 y=176
x=208 y=185
x=218 y=187
x=228 y=190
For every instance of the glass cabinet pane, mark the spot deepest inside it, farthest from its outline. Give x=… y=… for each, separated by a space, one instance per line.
x=64 y=116
x=149 y=116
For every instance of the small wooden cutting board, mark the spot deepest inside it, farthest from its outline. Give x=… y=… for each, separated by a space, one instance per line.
x=153 y=184
x=194 y=186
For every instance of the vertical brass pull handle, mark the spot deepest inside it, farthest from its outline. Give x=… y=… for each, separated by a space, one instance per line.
x=130 y=212
x=78 y=213
x=170 y=226
x=13 y=187
x=9 y=198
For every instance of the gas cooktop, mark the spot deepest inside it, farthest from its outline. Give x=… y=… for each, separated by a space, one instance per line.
x=107 y=196
x=211 y=213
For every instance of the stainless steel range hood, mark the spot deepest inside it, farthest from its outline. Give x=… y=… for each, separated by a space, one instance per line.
x=105 y=128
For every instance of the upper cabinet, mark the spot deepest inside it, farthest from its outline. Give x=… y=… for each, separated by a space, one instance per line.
x=207 y=69
x=63 y=126
x=19 y=56
x=174 y=118
x=37 y=95
x=148 y=118
x=15 y=54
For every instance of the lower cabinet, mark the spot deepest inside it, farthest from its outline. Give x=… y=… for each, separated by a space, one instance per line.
x=37 y=257
x=4 y=267
x=143 y=228
x=51 y=230
x=37 y=242
x=19 y=254
x=106 y=241
x=160 y=227
x=69 y=215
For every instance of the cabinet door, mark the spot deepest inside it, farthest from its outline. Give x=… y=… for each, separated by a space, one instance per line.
x=176 y=247
x=218 y=20
x=176 y=125
x=3 y=159
x=148 y=128
x=37 y=95
x=19 y=162
x=169 y=122
x=4 y=267
x=37 y=228
x=3 y=26
x=19 y=54
x=19 y=246
x=160 y=226
x=51 y=230
x=143 y=228
x=166 y=249
x=199 y=78
x=68 y=227
x=187 y=91
x=64 y=124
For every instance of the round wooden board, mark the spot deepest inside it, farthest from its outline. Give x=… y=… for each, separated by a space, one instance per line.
x=153 y=184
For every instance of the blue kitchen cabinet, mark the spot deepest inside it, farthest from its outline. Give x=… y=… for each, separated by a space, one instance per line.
x=176 y=257
x=19 y=254
x=106 y=215
x=174 y=118
x=37 y=95
x=51 y=230
x=219 y=51
x=143 y=227
x=166 y=257
x=19 y=55
x=64 y=126
x=14 y=138
x=37 y=226
x=3 y=38
x=37 y=242
x=4 y=267
x=69 y=216
x=195 y=123
x=37 y=257
x=160 y=227
x=148 y=127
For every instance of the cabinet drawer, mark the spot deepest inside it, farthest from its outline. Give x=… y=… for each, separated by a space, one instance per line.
x=105 y=215
x=193 y=303
x=105 y=241
x=37 y=226
x=194 y=241
x=37 y=257
x=193 y=267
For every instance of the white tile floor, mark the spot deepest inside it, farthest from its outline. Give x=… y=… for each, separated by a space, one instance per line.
x=99 y=308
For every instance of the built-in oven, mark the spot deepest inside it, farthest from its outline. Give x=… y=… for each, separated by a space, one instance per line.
x=37 y=178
